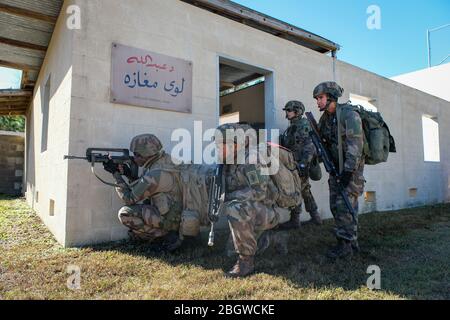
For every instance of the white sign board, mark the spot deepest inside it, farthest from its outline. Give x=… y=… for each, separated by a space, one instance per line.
x=148 y=79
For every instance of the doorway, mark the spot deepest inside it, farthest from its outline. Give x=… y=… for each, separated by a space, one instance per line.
x=245 y=94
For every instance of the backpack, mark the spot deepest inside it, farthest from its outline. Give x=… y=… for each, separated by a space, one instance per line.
x=286 y=179
x=378 y=141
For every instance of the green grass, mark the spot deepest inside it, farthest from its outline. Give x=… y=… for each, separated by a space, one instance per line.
x=412 y=248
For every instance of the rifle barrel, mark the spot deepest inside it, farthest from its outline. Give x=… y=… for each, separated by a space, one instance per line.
x=74 y=157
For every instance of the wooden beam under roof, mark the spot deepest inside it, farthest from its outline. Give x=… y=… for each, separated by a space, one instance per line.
x=27 y=13
x=15 y=93
x=19 y=66
x=21 y=44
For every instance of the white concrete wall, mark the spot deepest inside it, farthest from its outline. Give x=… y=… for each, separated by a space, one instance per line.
x=181 y=30
x=46 y=172
x=434 y=80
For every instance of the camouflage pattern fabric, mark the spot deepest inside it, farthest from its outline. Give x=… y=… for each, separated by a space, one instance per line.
x=249 y=205
x=296 y=106
x=353 y=143
x=159 y=187
x=328 y=87
x=147 y=145
x=308 y=198
x=299 y=141
x=144 y=221
x=352 y=136
x=346 y=227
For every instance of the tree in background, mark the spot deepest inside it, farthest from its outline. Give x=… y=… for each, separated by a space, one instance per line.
x=12 y=123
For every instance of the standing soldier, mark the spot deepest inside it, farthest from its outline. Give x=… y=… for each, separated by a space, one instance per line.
x=296 y=138
x=250 y=196
x=341 y=131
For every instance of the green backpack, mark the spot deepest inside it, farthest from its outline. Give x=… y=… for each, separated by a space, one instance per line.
x=378 y=141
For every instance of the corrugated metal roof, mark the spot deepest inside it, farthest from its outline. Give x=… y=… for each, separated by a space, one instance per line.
x=26 y=27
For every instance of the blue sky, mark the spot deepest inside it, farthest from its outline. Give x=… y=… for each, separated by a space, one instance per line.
x=398 y=47
x=10 y=78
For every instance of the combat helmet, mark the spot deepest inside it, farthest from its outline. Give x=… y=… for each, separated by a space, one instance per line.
x=296 y=106
x=147 y=145
x=329 y=87
x=223 y=135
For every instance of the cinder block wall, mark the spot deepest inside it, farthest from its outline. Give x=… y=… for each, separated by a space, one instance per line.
x=46 y=170
x=11 y=162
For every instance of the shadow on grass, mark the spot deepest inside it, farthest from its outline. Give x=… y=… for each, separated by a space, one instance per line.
x=411 y=247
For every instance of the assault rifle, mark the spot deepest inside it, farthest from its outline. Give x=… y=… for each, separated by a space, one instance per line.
x=328 y=164
x=215 y=194
x=104 y=155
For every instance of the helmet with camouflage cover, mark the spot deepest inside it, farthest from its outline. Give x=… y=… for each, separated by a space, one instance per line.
x=227 y=132
x=147 y=145
x=296 y=106
x=329 y=87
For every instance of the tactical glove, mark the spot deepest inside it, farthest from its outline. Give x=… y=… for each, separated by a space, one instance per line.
x=110 y=166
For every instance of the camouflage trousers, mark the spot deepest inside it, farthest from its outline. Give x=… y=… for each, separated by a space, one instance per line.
x=247 y=221
x=308 y=198
x=144 y=221
x=346 y=226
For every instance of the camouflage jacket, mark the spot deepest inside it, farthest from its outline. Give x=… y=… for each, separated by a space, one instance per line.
x=352 y=136
x=297 y=139
x=245 y=182
x=159 y=183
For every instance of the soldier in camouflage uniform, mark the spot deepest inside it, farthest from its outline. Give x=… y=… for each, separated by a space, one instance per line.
x=296 y=138
x=341 y=118
x=249 y=198
x=159 y=216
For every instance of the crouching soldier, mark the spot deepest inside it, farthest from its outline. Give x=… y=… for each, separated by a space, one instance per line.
x=160 y=214
x=250 y=196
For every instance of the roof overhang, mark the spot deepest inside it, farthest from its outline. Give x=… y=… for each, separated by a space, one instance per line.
x=266 y=23
x=26 y=27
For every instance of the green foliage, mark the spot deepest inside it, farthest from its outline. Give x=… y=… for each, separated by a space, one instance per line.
x=12 y=123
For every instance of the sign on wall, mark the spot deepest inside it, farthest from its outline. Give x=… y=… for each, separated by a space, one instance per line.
x=148 y=79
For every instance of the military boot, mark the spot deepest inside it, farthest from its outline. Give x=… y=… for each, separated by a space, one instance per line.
x=245 y=265
x=342 y=250
x=294 y=223
x=315 y=219
x=355 y=246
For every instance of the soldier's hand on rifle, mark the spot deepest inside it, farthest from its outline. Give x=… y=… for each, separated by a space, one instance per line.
x=110 y=166
x=346 y=178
